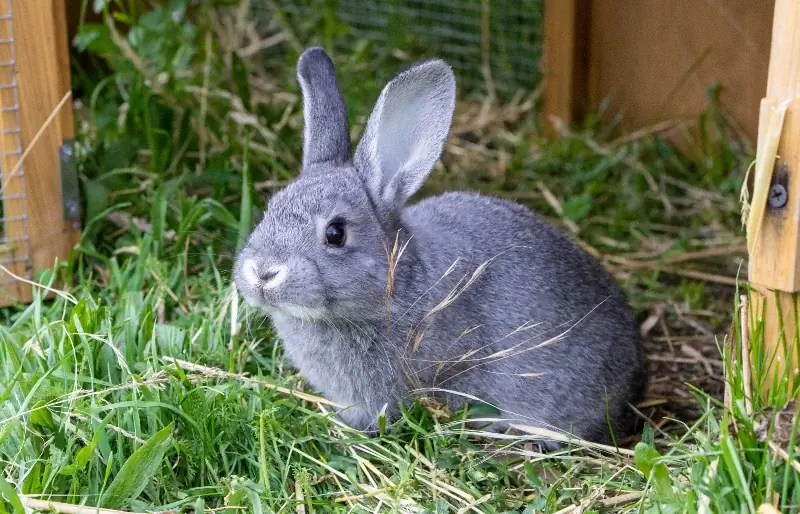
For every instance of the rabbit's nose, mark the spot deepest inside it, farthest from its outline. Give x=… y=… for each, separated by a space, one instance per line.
x=267 y=274
x=256 y=274
x=273 y=276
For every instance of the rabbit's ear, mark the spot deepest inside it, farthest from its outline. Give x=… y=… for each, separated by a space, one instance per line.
x=326 y=137
x=406 y=131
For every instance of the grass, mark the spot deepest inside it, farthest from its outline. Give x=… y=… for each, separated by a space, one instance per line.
x=144 y=385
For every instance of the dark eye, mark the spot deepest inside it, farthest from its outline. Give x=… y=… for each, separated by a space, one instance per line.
x=334 y=234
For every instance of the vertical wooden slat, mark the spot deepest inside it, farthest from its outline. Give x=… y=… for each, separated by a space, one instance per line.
x=42 y=76
x=15 y=251
x=774 y=266
x=62 y=56
x=565 y=56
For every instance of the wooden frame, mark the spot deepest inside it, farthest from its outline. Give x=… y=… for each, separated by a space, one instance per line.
x=653 y=63
x=773 y=228
x=35 y=121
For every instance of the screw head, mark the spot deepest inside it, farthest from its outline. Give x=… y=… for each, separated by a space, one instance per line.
x=72 y=208
x=778 y=196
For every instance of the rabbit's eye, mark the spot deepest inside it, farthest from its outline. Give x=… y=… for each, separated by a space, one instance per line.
x=334 y=234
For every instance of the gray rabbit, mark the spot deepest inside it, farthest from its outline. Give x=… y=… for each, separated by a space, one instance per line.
x=458 y=296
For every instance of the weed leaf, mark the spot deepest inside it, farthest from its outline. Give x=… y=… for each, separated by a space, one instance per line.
x=137 y=470
x=8 y=494
x=646 y=458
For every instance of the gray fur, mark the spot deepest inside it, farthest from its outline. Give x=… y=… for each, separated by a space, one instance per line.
x=486 y=299
x=327 y=132
x=406 y=132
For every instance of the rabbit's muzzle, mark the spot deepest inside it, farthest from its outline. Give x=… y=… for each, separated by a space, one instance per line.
x=292 y=287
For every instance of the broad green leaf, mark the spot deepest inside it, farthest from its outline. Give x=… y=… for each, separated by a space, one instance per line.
x=662 y=481
x=137 y=471
x=119 y=154
x=646 y=458
x=7 y=494
x=85 y=454
x=40 y=415
x=255 y=501
x=533 y=477
x=33 y=482
x=648 y=436
x=577 y=207
x=83 y=318
x=94 y=37
x=96 y=198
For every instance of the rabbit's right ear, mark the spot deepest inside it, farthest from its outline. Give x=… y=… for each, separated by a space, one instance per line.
x=406 y=132
x=326 y=136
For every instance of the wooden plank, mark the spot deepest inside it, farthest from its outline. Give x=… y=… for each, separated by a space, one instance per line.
x=42 y=75
x=775 y=263
x=774 y=239
x=14 y=253
x=784 y=61
x=62 y=55
x=652 y=63
x=564 y=60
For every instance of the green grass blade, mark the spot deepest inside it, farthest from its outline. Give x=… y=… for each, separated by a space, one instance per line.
x=246 y=213
x=731 y=458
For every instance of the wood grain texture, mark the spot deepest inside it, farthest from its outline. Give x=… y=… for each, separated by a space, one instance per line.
x=42 y=75
x=14 y=252
x=784 y=63
x=775 y=258
x=652 y=61
x=564 y=60
x=66 y=117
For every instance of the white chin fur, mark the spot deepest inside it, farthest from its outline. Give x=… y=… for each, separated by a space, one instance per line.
x=301 y=312
x=252 y=302
x=287 y=309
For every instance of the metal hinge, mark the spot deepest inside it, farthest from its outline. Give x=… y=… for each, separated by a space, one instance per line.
x=70 y=189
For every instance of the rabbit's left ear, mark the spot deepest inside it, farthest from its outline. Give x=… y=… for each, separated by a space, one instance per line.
x=326 y=138
x=406 y=132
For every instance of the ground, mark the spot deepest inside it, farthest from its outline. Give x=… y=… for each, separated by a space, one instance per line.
x=143 y=384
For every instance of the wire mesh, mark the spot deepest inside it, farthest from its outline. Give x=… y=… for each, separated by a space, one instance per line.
x=14 y=242
x=492 y=45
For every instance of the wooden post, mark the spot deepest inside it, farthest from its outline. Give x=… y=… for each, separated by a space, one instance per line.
x=34 y=79
x=774 y=225
x=565 y=55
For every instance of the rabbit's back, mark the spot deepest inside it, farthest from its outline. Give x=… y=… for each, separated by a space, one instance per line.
x=549 y=334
